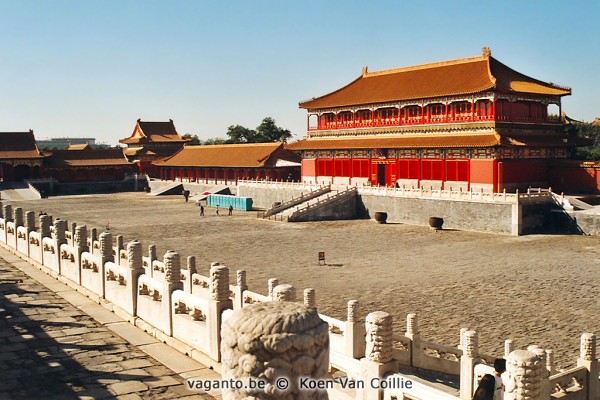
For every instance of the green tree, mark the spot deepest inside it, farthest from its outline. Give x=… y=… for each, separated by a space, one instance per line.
x=590 y=132
x=194 y=140
x=268 y=131
x=241 y=134
x=216 y=140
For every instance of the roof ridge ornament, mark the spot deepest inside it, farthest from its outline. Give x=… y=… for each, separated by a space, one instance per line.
x=487 y=52
x=365 y=70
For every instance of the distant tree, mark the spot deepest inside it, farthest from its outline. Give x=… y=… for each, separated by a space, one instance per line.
x=241 y=134
x=268 y=131
x=215 y=141
x=587 y=131
x=194 y=140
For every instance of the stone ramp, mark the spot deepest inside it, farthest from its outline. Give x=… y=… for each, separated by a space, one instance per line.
x=19 y=192
x=172 y=189
x=579 y=203
x=217 y=189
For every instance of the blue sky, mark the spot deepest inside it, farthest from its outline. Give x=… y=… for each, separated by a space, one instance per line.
x=92 y=68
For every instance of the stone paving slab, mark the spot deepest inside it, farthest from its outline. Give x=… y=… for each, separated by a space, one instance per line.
x=52 y=349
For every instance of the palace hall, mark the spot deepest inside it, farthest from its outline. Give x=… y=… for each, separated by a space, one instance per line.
x=466 y=124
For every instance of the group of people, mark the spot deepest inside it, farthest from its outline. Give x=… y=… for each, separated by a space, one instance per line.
x=230 y=209
x=491 y=386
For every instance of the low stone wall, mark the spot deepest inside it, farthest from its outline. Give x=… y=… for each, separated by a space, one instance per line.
x=463 y=215
x=98 y=187
x=587 y=223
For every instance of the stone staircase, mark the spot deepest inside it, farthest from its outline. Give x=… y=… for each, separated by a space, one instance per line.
x=281 y=208
x=330 y=205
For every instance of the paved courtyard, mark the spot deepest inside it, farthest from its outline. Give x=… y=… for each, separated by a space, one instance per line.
x=51 y=349
x=539 y=289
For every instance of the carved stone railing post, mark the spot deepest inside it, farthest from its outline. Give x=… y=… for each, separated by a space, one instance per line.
x=7 y=212
x=524 y=376
x=45 y=223
x=106 y=255
x=240 y=287
x=462 y=337
x=467 y=364
x=310 y=300
x=412 y=332
x=272 y=283
x=188 y=273
x=378 y=359
x=587 y=358
x=550 y=361
x=80 y=245
x=119 y=245
x=509 y=347
x=219 y=301
x=59 y=237
x=354 y=335
x=73 y=228
x=60 y=228
x=545 y=389
x=284 y=293
x=152 y=257
x=274 y=340
x=18 y=217
x=30 y=221
x=93 y=238
x=136 y=268
x=172 y=282
x=80 y=239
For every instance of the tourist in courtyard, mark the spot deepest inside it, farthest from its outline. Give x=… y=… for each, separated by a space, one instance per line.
x=230 y=209
x=217 y=209
x=499 y=369
x=485 y=390
x=186 y=195
x=201 y=210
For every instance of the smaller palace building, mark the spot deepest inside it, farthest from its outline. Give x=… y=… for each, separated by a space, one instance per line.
x=19 y=156
x=466 y=124
x=231 y=162
x=81 y=163
x=152 y=141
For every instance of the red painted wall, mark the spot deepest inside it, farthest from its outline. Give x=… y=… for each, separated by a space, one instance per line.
x=572 y=177
x=523 y=172
x=483 y=171
x=309 y=167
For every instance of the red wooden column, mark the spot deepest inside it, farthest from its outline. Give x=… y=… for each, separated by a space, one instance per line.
x=206 y=174
x=225 y=175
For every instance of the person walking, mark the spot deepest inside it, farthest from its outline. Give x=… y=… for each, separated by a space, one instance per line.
x=217 y=209
x=201 y=210
x=230 y=209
